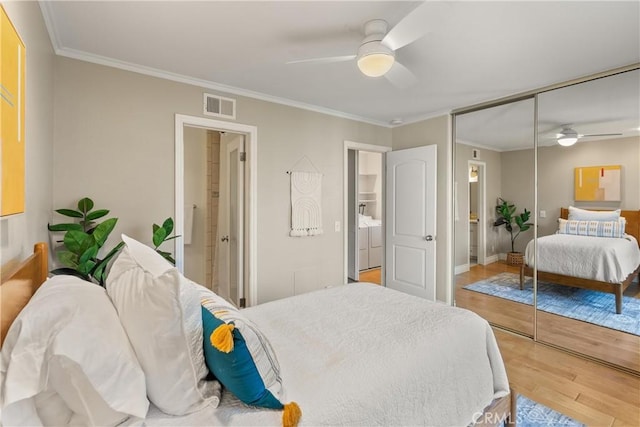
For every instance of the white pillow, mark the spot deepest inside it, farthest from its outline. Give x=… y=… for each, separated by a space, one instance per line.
x=67 y=361
x=577 y=214
x=163 y=320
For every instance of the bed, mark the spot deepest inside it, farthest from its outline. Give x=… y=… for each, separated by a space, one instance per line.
x=421 y=362
x=596 y=263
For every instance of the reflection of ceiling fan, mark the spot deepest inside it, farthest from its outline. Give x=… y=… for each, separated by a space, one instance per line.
x=376 y=54
x=568 y=136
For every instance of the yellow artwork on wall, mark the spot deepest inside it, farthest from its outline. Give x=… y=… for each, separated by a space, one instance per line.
x=12 y=85
x=598 y=183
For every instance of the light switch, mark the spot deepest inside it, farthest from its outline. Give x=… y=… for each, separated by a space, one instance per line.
x=337 y=226
x=543 y=214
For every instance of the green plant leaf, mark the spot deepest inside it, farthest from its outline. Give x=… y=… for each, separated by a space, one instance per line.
x=98 y=272
x=167 y=256
x=86 y=267
x=74 y=240
x=64 y=227
x=168 y=225
x=171 y=238
x=159 y=236
x=89 y=254
x=155 y=227
x=68 y=258
x=85 y=205
x=97 y=214
x=101 y=232
x=70 y=212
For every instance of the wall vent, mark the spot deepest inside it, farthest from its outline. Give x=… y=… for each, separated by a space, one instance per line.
x=219 y=106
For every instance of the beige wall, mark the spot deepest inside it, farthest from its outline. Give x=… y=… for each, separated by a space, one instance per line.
x=555 y=175
x=18 y=233
x=428 y=132
x=117 y=128
x=556 y=166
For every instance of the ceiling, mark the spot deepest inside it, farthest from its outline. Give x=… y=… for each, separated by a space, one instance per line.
x=472 y=51
x=609 y=105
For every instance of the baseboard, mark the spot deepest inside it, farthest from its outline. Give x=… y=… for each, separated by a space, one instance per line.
x=491 y=259
x=461 y=269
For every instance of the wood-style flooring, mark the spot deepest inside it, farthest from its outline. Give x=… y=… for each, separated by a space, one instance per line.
x=616 y=347
x=372 y=276
x=589 y=392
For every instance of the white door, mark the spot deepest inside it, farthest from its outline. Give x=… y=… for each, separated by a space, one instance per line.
x=230 y=257
x=411 y=221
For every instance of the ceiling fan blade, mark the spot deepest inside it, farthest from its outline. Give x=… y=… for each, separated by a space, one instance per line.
x=416 y=24
x=326 y=60
x=400 y=76
x=600 y=134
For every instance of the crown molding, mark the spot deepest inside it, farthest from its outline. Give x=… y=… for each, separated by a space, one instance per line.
x=47 y=14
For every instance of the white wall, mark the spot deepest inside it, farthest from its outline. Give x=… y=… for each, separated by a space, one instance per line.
x=427 y=132
x=117 y=128
x=18 y=233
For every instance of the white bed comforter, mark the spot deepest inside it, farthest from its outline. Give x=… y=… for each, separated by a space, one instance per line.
x=598 y=258
x=362 y=354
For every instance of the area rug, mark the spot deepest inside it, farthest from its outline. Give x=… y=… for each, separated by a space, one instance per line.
x=534 y=414
x=580 y=304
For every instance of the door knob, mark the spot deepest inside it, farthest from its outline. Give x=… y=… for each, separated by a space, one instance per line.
x=225 y=238
x=428 y=237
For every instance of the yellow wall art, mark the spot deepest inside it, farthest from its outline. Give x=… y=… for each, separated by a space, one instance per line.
x=598 y=183
x=12 y=85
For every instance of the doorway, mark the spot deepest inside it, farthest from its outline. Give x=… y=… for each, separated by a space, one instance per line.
x=477 y=213
x=364 y=212
x=230 y=233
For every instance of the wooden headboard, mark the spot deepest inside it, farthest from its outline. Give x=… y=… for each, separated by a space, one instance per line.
x=19 y=284
x=632 y=217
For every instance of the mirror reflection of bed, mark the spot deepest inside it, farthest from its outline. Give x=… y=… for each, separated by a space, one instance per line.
x=584 y=318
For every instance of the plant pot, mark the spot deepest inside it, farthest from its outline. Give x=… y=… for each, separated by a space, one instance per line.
x=515 y=258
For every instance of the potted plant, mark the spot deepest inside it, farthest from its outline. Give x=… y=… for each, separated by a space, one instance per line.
x=83 y=241
x=515 y=224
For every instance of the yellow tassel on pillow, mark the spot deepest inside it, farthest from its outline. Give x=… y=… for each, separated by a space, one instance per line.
x=291 y=415
x=222 y=338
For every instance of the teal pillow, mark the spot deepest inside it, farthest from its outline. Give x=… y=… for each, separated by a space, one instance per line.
x=241 y=358
x=237 y=370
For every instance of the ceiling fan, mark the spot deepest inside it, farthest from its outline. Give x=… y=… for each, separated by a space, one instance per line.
x=376 y=54
x=567 y=136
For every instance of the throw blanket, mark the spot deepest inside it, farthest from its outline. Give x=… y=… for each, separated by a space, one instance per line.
x=607 y=259
x=306 y=196
x=365 y=355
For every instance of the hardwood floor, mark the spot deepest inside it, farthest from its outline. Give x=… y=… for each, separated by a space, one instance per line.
x=616 y=347
x=372 y=276
x=589 y=392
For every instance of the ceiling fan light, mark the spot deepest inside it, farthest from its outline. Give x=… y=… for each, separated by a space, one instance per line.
x=376 y=64
x=567 y=141
x=375 y=59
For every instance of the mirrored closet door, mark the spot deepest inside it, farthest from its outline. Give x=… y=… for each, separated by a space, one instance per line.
x=589 y=159
x=547 y=215
x=494 y=192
